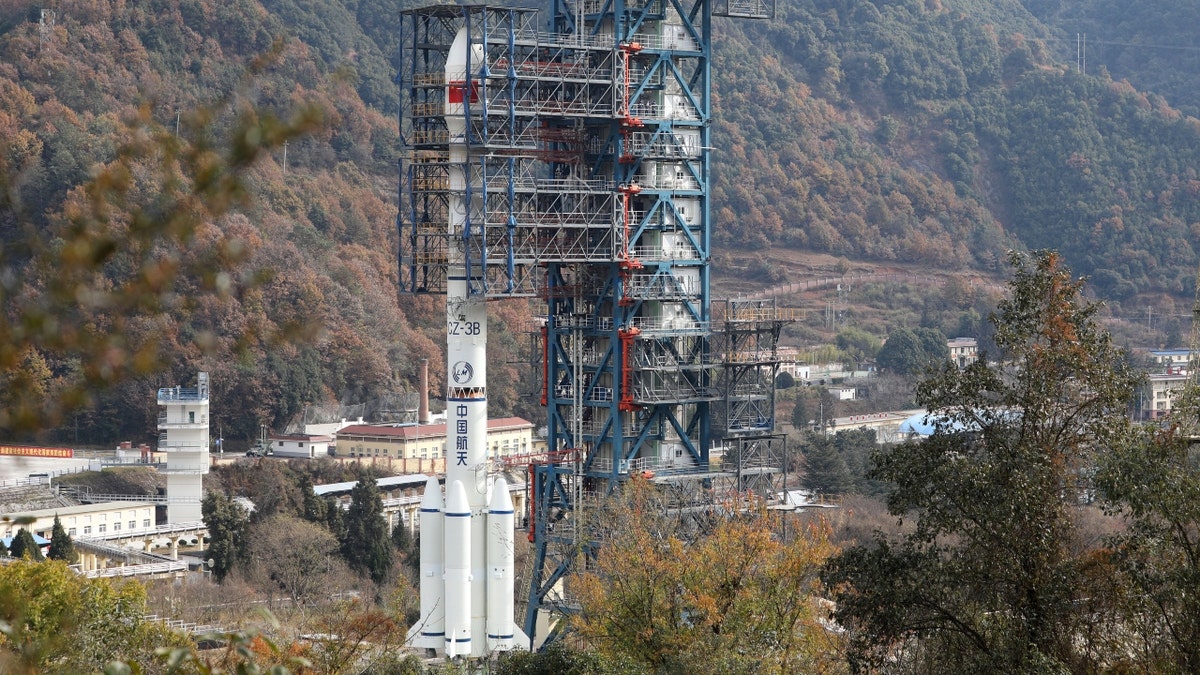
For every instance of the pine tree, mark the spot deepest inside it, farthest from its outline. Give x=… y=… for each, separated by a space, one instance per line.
x=23 y=546
x=61 y=546
x=226 y=521
x=315 y=508
x=825 y=469
x=335 y=519
x=367 y=544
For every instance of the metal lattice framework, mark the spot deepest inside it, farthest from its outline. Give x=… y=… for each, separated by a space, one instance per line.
x=587 y=182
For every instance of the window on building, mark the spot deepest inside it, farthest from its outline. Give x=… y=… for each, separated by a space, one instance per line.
x=103 y=528
x=133 y=524
x=146 y=523
x=116 y=526
x=192 y=416
x=87 y=529
x=71 y=532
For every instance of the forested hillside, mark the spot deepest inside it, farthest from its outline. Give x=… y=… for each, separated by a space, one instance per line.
x=1156 y=50
x=941 y=133
x=936 y=133
x=322 y=226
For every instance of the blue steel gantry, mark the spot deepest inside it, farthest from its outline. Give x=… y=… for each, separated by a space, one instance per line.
x=586 y=184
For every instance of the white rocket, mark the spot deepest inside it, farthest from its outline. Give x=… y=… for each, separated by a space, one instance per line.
x=467 y=554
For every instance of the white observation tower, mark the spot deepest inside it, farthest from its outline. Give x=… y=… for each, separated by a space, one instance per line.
x=183 y=435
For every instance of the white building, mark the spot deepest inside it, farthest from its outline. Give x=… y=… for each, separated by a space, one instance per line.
x=1156 y=396
x=1172 y=358
x=183 y=436
x=886 y=425
x=963 y=350
x=842 y=393
x=96 y=521
x=303 y=446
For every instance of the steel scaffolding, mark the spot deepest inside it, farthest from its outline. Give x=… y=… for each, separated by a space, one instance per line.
x=587 y=185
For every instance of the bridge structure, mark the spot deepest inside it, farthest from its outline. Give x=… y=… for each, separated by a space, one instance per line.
x=114 y=554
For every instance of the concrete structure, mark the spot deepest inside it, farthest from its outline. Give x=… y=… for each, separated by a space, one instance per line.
x=1156 y=396
x=183 y=435
x=305 y=446
x=88 y=520
x=420 y=442
x=963 y=350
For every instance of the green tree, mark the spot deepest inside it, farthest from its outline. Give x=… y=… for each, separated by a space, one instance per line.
x=908 y=352
x=226 y=521
x=784 y=380
x=560 y=659
x=825 y=469
x=995 y=576
x=367 y=544
x=1153 y=483
x=800 y=411
x=315 y=508
x=53 y=620
x=23 y=546
x=61 y=546
x=403 y=540
x=335 y=518
x=857 y=344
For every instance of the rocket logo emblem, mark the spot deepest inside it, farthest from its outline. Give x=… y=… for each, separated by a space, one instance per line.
x=463 y=372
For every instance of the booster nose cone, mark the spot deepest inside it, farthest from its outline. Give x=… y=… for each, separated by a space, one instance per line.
x=456 y=500
x=501 y=500
x=432 y=499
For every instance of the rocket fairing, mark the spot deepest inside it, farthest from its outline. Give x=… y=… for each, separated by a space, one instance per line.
x=471 y=602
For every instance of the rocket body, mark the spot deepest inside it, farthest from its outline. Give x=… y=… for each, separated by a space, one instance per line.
x=465 y=539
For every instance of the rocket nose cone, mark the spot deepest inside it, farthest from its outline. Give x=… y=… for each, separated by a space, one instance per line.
x=456 y=499
x=501 y=500
x=432 y=499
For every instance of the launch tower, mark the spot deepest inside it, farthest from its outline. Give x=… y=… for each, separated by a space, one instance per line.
x=570 y=153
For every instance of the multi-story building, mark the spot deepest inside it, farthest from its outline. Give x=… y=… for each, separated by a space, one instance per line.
x=86 y=521
x=183 y=436
x=1156 y=396
x=963 y=350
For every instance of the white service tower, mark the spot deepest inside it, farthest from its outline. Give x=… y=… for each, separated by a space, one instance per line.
x=183 y=436
x=456 y=613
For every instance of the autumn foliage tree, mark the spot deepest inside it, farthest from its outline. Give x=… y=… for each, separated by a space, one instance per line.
x=737 y=598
